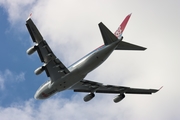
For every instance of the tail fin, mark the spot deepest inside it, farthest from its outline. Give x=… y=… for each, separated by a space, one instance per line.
x=117 y=34
x=109 y=37
x=119 y=31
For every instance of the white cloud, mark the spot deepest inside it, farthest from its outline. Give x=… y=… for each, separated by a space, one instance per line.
x=20 y=77
x=17 y=9
x=61 y=108
x=71 y=30
x=3 y=77
x=99 y=108
x=1 y=83
x=9 y=76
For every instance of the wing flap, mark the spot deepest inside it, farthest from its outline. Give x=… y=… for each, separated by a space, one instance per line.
x=86 y=86
x=44 y=51
x=55 y=69
x=112 y=89
x=90 y=86
x=53 y=66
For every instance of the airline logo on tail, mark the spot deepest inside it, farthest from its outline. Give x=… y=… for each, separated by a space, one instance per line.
x=121 y=28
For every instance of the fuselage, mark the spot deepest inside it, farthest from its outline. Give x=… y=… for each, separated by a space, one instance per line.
x=78 y=71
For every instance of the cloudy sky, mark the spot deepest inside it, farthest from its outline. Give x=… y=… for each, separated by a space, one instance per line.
x=71 y=29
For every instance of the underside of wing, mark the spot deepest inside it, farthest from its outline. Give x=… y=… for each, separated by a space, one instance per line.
x=52 y=65
x=96 y=87
x=86 y=86
x=33 y=31
x=90 y=86
x=140 y=91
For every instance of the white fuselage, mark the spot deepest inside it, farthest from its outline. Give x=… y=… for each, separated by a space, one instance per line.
x=78 y=71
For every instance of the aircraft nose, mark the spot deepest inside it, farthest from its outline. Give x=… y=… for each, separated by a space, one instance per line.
x=36 y=96
x=40 y=96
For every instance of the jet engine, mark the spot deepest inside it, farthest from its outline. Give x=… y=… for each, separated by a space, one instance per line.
x=39 y=70
x=88 y=97
x=119 y=98
x=31 y=50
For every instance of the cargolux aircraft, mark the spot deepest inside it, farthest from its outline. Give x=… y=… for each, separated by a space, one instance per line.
x=73 y=77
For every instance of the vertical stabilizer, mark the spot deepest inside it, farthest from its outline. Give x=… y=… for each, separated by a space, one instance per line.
x=109 y=37
x=119 y=31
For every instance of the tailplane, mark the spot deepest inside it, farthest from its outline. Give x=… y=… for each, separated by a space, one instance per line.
x=109 y=37
x=128 y=46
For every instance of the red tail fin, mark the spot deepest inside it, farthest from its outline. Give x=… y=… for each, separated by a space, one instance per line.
x=121 y=28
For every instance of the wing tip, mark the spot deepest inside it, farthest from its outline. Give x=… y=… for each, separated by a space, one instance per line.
x=160 y=88
x=100 y=23
x=29 y=16
x=144 y=48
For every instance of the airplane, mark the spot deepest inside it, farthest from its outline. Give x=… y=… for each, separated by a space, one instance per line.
x=73 y=77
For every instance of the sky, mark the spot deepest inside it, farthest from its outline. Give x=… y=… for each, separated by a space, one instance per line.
x=71 y=29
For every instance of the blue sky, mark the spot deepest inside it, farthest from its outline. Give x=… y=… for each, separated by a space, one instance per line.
x=70 y=28
x=20 y=83
x=14 y=61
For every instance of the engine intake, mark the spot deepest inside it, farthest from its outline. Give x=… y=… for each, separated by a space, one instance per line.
x=39 y=70
x=88 y=97
x=119 y=98
x=31 y=50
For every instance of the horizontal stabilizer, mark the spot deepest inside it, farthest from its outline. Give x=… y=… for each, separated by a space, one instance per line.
x=128 y=46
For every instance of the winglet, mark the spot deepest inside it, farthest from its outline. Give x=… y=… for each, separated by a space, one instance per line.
x=119 y=31
x=29 y=16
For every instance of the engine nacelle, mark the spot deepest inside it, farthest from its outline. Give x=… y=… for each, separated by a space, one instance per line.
x=39 y=70
x=119 y=98
x=89 y=97
x=31 y=50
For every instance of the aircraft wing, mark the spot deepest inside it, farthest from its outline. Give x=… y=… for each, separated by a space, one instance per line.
x=52 y=65
x=90 y=86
